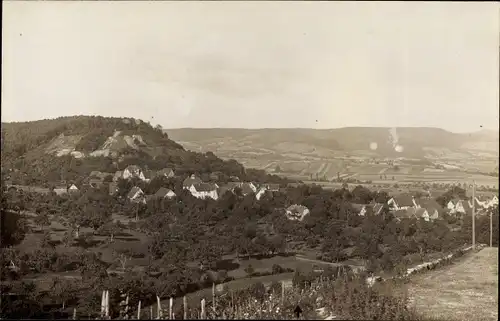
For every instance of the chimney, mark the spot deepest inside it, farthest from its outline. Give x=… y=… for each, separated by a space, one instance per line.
x=193 y=176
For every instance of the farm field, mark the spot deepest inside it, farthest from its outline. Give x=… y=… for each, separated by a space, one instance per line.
x=466 y=290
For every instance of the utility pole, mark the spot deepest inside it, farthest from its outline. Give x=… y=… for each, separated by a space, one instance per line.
x=491 y=228
x=473 y=215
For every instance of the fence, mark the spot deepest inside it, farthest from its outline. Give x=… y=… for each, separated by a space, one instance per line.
x=322 y=297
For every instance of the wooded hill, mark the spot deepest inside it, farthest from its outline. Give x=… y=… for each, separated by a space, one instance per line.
x=69 y=148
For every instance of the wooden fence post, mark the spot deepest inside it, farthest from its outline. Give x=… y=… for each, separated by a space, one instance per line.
x=170 y=307
x=203 y=314
x=74 y=314
x=139 y=311
x=158 y=308
x=184 y=303
x=283 y=293
x=213 y=297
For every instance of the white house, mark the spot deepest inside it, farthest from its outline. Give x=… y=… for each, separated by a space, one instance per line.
x=204 y=190
x=167 y=172
x=261 y=193
x=421 y=213
x=136 y=195
x=190 y=181
x=493 y=201
x=402 y=202
x=451 y=206
x=133 y=171
x=296 y=212
x=73 y=188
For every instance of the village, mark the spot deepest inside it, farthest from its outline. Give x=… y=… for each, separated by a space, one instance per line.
x=403 y=205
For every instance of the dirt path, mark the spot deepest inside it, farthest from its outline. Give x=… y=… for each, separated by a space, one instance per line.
x=466 y=290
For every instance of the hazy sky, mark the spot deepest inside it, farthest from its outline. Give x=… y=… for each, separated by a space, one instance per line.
x=254 y=64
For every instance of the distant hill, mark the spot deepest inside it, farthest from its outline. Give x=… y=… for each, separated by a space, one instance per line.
x=69 y=148
x=415 y=142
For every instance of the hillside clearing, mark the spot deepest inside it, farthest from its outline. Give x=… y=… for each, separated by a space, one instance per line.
x=467 y=290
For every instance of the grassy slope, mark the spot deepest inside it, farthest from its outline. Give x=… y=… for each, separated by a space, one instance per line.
x=467 y=290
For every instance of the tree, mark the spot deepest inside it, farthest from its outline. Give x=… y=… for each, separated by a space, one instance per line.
x=362 y=195
x=122 y=256
x=110 y=229
x=249 y=270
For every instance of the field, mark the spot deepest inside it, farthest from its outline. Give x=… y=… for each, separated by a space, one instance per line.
x=466 y=290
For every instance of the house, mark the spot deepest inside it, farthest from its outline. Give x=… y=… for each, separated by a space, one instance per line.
x=149 y=175
x=117 y=176
x=493 y=201
x=99 y=175
x=361 y=209
x=451 y=206
x=95 y=174
x=95 y=182
x=204 y=190
x=377 y=208
x=73 y=189
x=272 y=187
x=433 y=208
x=247 y=188
x=61 y=190
x=113 y=188
x=402 y=201
x=136 y=195
x=133 y=171
x=190 y=181
x=221 y=191
x=401 y=214
x=466 y=206
x=420 y=213
x=296 y=212
x=262 y=191
x=167 y=172
x=233 y=185
x=164 y=192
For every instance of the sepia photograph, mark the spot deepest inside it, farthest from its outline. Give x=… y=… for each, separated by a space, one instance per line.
x=273 y=160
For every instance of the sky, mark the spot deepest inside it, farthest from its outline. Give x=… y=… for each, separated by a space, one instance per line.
x=254 y=64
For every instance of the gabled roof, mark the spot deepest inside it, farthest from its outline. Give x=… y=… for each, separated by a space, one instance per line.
x=205 y=187
x=163 y=192
x=402 y=213
x=404 y=200
x=133 y=191
x=297 y=209
x=133 y=168
x=273 y=187
x=96 y=174
x=191 y=180
x=223 y=190
x=165 y=171
x=246 y=189
x=377 y=208
x=430 y=205
x=419 y=212
x=466 y=205
x=95 y=181
x=233 y=185
x=149 y=174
